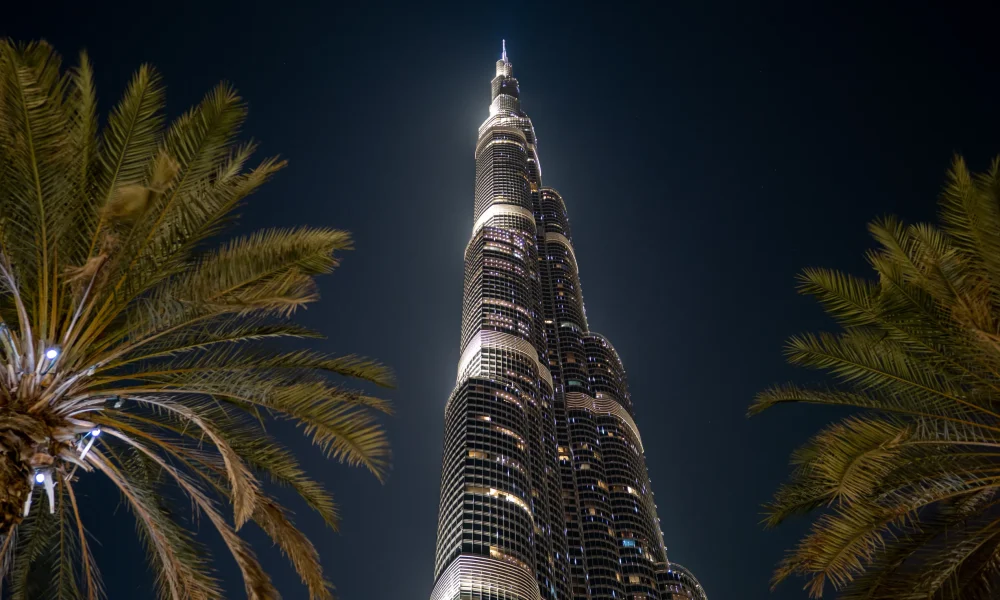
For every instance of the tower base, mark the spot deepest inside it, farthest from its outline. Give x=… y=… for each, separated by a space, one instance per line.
x=473 y=577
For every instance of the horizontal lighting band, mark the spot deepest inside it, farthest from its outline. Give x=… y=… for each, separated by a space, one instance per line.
x=501 y=209
x=605 y=405
x=468 y=366
x=481 y=576
x=495 y=127
x=551 y=236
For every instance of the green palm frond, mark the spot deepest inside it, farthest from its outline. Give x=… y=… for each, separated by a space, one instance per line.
x=134 y=348
x=842 y=464
x=35 y=535
x=907 y=492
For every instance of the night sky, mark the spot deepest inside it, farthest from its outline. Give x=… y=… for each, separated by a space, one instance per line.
x=706 y=153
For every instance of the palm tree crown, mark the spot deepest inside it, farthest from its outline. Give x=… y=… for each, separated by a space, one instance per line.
x=131 y=350
x=907 y=488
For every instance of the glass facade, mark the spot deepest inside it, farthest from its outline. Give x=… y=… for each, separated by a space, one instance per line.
x=543 y=476
x=677 y=583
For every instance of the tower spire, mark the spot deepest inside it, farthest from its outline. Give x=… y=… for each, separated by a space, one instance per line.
x=503 y=55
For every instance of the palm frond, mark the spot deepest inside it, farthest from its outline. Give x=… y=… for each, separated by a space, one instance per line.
x=907 y=490
x=176 y=559
x=135 y=347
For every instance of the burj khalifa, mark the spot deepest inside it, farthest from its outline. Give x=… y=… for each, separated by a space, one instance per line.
x=544 y=489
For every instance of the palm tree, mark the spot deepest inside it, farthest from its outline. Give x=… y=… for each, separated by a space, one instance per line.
x=129 y=349
x=906 y=489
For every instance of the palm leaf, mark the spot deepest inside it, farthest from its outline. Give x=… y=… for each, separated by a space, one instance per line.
x=905 y=492
x=134 y=345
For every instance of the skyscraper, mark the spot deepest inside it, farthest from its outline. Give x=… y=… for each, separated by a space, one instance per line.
x=544 y=489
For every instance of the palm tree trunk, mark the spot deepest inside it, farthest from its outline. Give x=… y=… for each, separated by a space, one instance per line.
x=15 y=487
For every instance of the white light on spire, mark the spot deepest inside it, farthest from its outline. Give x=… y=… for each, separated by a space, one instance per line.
x=503 y=56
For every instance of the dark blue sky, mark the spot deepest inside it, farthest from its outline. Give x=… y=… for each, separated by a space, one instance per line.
x=707 y=152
